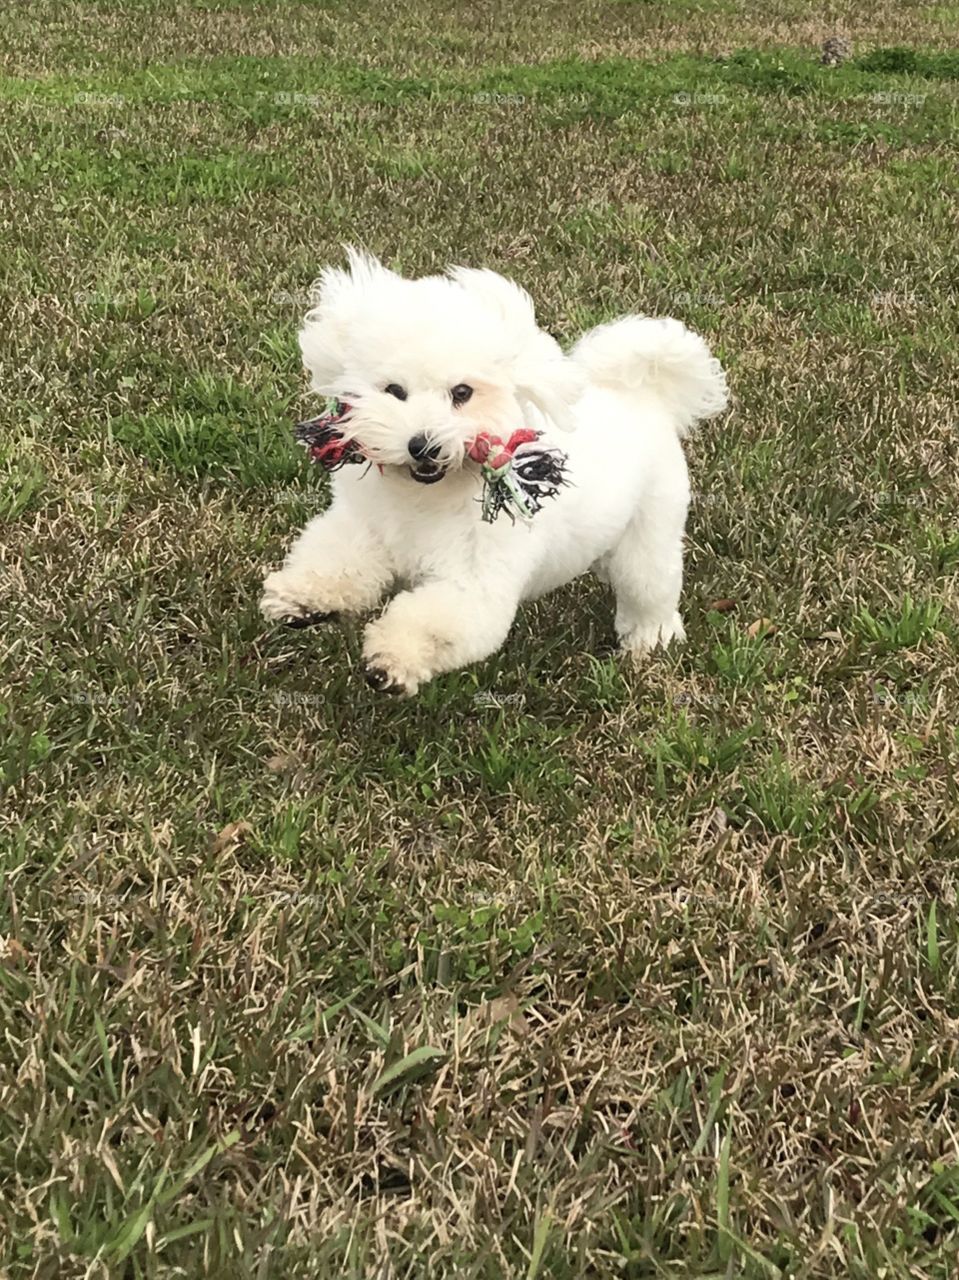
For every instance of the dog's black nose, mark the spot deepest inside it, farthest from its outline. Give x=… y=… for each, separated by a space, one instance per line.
x=421 y=449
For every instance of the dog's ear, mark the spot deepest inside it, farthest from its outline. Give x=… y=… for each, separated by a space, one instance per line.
x=335 y=297
x=543 y=376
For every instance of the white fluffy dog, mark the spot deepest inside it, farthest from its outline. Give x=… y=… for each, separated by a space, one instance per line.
x=427 y=365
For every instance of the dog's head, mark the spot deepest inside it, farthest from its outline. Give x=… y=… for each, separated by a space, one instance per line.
x=429 y=364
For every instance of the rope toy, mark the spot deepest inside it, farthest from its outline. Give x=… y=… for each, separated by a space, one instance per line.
x=516 y=478
x=515 y=484
x=324 y=440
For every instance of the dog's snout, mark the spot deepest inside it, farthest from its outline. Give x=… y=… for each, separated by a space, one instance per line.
x=421 y=450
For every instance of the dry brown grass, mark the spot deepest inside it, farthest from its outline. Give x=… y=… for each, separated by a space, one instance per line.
x=561 y=969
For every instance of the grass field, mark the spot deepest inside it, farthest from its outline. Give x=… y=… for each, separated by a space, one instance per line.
x=560 y=969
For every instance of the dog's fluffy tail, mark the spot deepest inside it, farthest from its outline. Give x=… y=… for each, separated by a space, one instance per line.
x=661 y=358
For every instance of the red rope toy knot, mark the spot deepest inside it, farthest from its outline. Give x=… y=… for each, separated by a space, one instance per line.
x=482 y=447
x=514 y=482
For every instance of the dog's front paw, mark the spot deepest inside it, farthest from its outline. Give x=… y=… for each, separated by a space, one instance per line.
x=277 y=607
x=385 y=674
x=392 y=663
x=383 y=680
x=294 y=603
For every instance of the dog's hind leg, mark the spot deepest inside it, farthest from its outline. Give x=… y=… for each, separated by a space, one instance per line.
x=645 y=570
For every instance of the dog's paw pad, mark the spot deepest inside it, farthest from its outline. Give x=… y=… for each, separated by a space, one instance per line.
x=379 y=678
x=296 y=622
x=283 y=607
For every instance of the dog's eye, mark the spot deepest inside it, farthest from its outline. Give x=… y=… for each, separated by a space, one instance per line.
x=394 y=389
x=461 y=393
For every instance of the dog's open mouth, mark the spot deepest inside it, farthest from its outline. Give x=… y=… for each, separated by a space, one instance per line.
x=427 y=472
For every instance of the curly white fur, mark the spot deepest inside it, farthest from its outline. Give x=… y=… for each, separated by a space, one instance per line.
x=617 y=405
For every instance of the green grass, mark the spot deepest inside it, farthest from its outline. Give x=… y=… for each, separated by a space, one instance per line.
x=561 y=969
